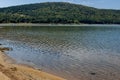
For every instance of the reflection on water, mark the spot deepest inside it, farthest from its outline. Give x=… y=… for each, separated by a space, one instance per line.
x=86 y=53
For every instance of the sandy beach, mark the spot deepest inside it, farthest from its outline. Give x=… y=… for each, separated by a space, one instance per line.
x=10 y=71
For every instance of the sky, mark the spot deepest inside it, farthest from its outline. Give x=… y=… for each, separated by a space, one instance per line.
x=104 y=4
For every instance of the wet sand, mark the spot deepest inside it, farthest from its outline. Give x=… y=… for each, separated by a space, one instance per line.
x=10 y=71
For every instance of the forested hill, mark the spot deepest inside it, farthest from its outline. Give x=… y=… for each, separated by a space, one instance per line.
x=58 y=12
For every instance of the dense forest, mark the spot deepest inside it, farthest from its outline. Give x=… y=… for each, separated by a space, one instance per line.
x=58 y=12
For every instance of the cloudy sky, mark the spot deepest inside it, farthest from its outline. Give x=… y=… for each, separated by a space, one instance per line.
x=109 y=4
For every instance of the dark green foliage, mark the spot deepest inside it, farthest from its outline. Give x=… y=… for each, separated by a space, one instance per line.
x=58 y=12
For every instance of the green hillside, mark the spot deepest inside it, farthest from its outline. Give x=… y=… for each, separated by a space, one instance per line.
x=58 y=12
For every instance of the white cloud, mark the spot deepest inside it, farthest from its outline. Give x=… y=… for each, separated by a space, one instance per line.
x=85 y=2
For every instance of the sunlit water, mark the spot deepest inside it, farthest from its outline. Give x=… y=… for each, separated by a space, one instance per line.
x=74 y=53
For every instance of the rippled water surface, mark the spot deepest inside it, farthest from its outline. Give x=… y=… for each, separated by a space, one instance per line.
x=86 y=53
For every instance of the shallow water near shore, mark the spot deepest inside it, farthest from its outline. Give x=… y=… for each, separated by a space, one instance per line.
x=71 y=52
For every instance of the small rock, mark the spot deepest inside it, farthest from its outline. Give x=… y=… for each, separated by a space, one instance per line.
x=92 y=73
x=5 y=49
x=13 y=69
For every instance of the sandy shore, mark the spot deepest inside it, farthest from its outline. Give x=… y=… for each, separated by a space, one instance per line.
x=10 y=71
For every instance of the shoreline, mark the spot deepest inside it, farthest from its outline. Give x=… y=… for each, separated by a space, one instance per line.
x=11 y=71
x=42 y=24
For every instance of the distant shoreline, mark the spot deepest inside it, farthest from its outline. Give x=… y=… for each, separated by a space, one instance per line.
x=42 y=24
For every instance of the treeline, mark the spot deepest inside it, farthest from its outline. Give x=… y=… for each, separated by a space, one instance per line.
x=58 y=12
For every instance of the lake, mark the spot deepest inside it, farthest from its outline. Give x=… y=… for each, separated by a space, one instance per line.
x=71 y=52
